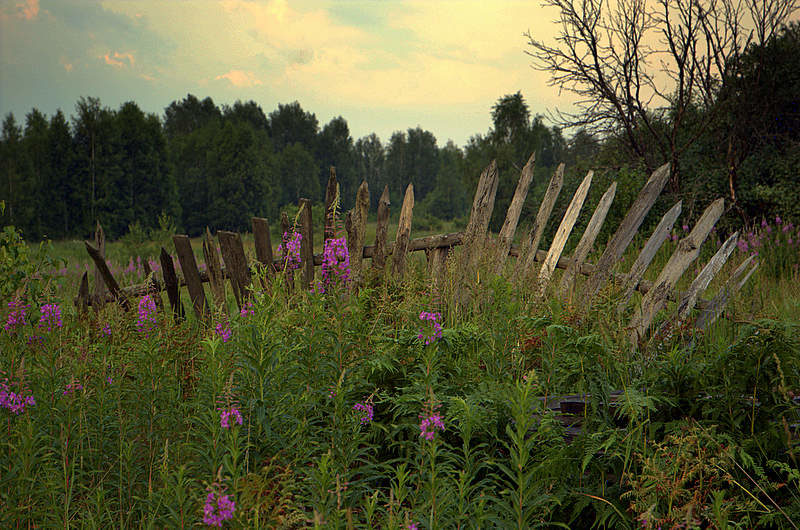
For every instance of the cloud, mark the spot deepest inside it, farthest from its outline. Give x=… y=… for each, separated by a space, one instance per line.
x=240 y=78
x=119 y=60
x=68 y=66
x=29 y=9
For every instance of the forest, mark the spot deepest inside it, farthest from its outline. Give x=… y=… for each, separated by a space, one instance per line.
x=204 y=164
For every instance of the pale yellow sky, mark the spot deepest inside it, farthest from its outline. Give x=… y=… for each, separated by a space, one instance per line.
x=382 y=65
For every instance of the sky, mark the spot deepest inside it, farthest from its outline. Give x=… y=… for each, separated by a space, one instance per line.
x=382 y=65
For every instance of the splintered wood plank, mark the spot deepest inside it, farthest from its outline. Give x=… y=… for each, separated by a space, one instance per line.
x=647 y=254
x=153 y=288
x=687 y=251
x=563 y=232
x=107 y=277
x=82 y=300
x=732 y=286
x=482 y=206
x=509 y=228
x=437 y=263
x=588 y=238
x=527 y=256
x=379 y=254
x=711 y=269
x=307 y=243
x=215 y=278
x=99 y=294
x=403 y=233
x=357 y=229
x=286 y=231
x=263 y=244
x=183 y=247
x=236 y=264
x=626 y=231
x=331 y=193
x=171 y=285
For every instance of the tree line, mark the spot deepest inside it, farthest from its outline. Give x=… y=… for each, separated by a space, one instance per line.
x=203 y=164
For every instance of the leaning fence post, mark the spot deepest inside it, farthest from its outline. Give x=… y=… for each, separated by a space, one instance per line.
x=191 y=274
x=379 y=255
x=710 y=270
x=356 y=230
x=171 y=285
x=329 y=230
x=732 y=286
x=307 y=242
x=263 y=245
x=506 y=236
x=107 y=277
x=215 y=278
x=82 y=300
x=403 y=233
x=235 y=264
x=99 y=294
x=153 y=288
x=482 y=206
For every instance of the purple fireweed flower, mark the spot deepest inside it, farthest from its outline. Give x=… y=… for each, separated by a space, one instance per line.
x=223 y=330
x=15 y=401
x=428 y=426
x=72 y=388
x=786 y=228
x=742 y=244
x=335 y=264
x=685 y=228
x=366 y=412
x=290 y=247
x=412 y=526
x=763 y=223
x=247 y=309
x=106 y=330
x=51 y=317
x=147 y=314
x=225 y=417
x=16 y=318
x=778 y=220
x=218 y=509
x=332 y=393
x=436 y=332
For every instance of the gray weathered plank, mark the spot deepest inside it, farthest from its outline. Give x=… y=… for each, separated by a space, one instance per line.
x=307 y=243
x=654 y=242
x=263 y=244
x=563 y=232
x=509 y=228
x=99 y=294
x=171 y=285
x=403 y=233
x=191 y=274
x=82 y=300
x=531 y=244
x=331 y=195
x=153 y=287
x=702 y=280
x=627 y=229
x=687 y=251
x=356 y=231
x=732 y=286
x=214 y=267
x=107 y=277
x=379 y=255
x=236 y=264
x=482 y=205
x=588 y=238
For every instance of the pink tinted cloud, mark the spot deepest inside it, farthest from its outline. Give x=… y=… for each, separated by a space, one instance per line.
x=118 y=60
x=240 y=78
x=29 y=9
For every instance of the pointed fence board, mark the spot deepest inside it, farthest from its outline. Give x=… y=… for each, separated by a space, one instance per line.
x=230 y=244
x=588 y=238
x=563 y=232
x=732 y=286
x=183 y=247
x=154 y=289
x=626 y=231
x=263 y=244
x=687 y=251
x=214 y=267
x=307 y=243
x=403 y=233
x=171 y=285
x=357 y=229
x=482 y=206
x=531 y=245
x=99 y=294
x=702 y=280
x=107 y=277
x=647 y=254
x=331 y=191
x=379 y=255
x=509 y=228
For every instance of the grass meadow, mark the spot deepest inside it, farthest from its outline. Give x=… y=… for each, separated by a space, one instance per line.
x=402 y=404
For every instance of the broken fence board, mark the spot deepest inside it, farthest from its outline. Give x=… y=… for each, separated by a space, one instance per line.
x=99 y=293
x=331 y=196
x=403 y=233
x=214 y=268
x=645 y=257
x=236 y=264
x=687 y=251
x=171 y=285
x=379 y=254
x=153 y=288
x=626 y=231
x=509 y=228
x=357 y=229
x=732 y=286
x=183 y=248
x=702 y=280
x=588 y=238
x=107 y=277
x=263 y=244
x=482 y=206
x=563 y=232
x=82 y=300
x=531 y=245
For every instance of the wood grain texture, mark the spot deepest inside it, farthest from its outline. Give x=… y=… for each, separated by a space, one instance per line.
x=403 y=233
x=183 y=248
x=509 y=228
x=381 y=229
x=700 y=283
x=527 y=255
x=171 y=285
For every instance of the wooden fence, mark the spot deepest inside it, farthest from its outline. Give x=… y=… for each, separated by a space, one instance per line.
x=233 y=266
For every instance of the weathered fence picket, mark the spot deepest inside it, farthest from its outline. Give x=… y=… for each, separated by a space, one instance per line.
x=403 y=233
x=356 y=227
x=191 y=274
x=531 y=246
x=382 y=226
x=506 y=236
x=214 y=268
x=236 y=264
x=171 y=285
